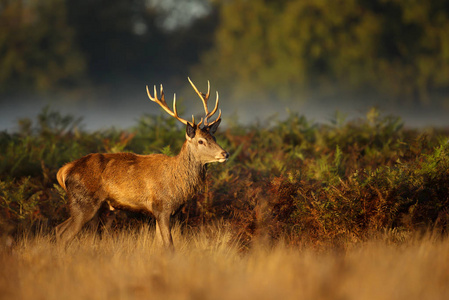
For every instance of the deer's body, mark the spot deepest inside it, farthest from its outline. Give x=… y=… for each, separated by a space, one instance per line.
x=156 y=183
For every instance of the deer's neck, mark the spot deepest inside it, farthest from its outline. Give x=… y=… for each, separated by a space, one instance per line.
x=189 y=165
x=189 y=170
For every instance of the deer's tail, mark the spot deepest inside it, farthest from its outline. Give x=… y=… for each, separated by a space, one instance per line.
x=62 y=175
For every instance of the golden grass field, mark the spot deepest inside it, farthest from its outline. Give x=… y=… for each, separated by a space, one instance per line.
x=210 y=264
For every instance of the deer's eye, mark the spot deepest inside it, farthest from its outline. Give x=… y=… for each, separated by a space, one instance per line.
x=201 y=142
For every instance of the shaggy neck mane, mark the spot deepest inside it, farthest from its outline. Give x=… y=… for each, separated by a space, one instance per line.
x=190 y=173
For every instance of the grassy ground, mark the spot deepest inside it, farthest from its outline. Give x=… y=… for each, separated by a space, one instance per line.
x=300 y=211
x=210 y=264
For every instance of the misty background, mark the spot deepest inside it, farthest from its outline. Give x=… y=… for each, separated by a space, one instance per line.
x=93 y=58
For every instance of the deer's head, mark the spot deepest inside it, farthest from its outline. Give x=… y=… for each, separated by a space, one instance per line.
x=199 y=137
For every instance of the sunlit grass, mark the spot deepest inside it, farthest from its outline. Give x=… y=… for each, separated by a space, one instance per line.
x=209 y=264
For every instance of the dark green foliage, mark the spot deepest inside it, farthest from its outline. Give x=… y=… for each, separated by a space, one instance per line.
x=324 y=183
x=384 y=50
x=390 y=48
x=37 y=47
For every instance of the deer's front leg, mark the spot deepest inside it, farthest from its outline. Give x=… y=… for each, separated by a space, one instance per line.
x=163 y=232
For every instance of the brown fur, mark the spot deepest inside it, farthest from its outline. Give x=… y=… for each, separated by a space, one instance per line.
x=62 y=175
x=156 y=184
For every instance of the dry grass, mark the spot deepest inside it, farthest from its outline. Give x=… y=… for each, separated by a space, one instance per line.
x=209 y=264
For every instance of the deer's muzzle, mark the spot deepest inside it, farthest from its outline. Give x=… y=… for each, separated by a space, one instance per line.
x=222 y=157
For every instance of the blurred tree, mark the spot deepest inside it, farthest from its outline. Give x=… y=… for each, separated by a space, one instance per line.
x=117 y=37
x=397 y=49
x=416 y=48
x=51 y=44
x=241 y=56
x=36 y=47
x=126 y=40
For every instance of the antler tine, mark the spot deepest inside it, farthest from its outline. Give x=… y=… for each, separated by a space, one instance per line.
x=164 y=105
x=206 y=123
x=204 y=98
x=215 y=108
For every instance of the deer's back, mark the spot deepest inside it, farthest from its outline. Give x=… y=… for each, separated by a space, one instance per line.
x=125 y=180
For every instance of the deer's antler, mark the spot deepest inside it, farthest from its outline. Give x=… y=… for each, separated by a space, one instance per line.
x=204 y=99
x=163 y=104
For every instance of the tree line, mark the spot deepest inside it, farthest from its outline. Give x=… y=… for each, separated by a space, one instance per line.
x=48 y=45
x=397 y=50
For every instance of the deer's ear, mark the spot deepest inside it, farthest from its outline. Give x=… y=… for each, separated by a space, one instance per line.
x=214 y=127
x=190 y=131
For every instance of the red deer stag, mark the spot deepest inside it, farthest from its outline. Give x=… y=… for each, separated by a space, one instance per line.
x=155 y=183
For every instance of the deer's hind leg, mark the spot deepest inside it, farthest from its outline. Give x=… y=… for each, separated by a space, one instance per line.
x=80 y=213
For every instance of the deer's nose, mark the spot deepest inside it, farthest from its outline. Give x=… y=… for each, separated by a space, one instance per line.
x=225 y=154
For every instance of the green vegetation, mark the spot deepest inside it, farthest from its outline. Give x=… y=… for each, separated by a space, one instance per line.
x=389 y=49
x=326 y=184
x=396 y=50
x=37 y=47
